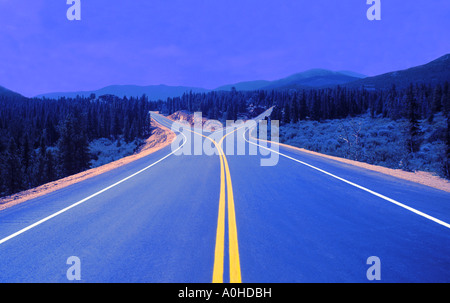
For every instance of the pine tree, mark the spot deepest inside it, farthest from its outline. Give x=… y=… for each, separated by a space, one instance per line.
x=414 y=134
x=40 y=176
x=294 y=109
x=446 y=100
x=446 y=162
x=50 y=172
x=82 y=154
x=14 y=174
x=286 y=113
x=303 y=108
x=73 y=148
x=26 y=158
x=437 y=96
x=316 y=112
x=66 y=148
x=2 y=169
x=115 y=127
x=126 y=130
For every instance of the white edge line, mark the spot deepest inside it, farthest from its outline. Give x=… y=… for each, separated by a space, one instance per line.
x=445 y=224
x=88 y=198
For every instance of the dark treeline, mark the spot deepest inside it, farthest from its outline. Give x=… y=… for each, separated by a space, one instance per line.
x=43 y=140
x=413 y=103
x=342 y=103
x=315 y=104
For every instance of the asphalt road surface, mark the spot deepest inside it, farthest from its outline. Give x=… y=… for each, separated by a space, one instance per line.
x=185 y=215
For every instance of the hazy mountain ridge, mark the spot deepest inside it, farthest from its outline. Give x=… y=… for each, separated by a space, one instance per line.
x=314 y=78
x=246 y=85
x=308 y=79
x=436 y=71
x=8 y=93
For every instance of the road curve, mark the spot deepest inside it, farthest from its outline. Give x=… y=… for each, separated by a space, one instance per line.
x=225 y=218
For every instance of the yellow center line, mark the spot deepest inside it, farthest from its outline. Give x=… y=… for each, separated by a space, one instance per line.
x=220 y=233
x=235 y=268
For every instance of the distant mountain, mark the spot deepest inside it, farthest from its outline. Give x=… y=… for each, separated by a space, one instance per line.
x=309 y=79
x=352 y=74
x=249 y=85
x=312 y=78
x=437 y=71
x=154 y=92
x=8 y=93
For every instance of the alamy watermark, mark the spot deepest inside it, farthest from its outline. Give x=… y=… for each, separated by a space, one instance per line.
x=74 y=271
x=374 y=271
x=374 y=11
x=236 y=138
x=74 y=11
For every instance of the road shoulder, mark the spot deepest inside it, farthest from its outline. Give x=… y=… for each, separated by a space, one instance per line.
x=160 y=138
x=421 y=177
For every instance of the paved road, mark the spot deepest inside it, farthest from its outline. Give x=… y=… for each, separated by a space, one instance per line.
x=226 y=218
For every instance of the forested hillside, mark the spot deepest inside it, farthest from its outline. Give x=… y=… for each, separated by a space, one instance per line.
x=404 y=128
x=42 y=139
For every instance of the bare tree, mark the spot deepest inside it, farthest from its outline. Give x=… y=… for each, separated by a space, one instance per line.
x=352 y=137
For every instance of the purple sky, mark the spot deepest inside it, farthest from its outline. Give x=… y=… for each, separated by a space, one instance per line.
x=208 y=43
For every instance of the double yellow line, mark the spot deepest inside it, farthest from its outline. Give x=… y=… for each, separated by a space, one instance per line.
x=235 y=267
x=226 y=191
